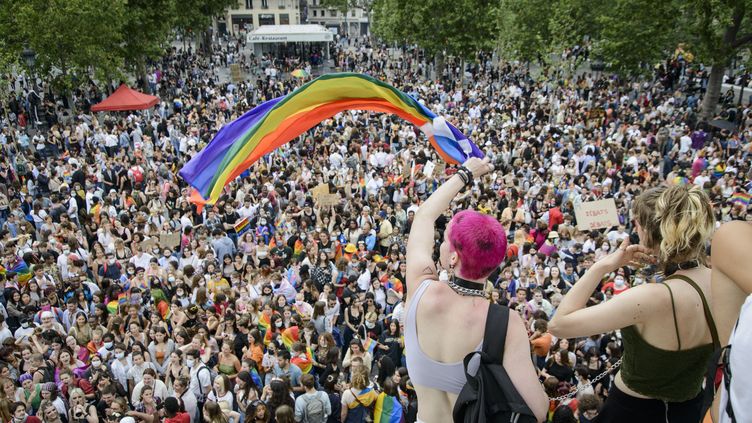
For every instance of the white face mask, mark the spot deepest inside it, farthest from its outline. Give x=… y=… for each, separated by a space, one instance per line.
x=619 y=281
x=278 y=324
x=605 y=248
x=119 y=355
x=189 y=362
x=370 y=325
x=96 y=363
x=108 y=345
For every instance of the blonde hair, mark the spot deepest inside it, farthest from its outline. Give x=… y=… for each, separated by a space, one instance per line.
x=677 y=221
x=359 y=379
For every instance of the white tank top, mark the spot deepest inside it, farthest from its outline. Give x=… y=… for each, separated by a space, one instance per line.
x=741 y=369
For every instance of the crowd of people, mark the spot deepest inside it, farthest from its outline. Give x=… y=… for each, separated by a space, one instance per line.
x=125 y=302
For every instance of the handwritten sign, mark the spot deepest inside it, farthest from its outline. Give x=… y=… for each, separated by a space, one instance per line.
x=321 y=189
x=428 y=169
x=327 y=200
x=169 y=240
x=596 y=215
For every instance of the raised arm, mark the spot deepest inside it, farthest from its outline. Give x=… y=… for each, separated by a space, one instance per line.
x=573 y=319
x=420 y=264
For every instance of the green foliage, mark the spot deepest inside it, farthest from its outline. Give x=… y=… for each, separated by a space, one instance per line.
x=196 y=15
x=523 y=29
x=634 y=32
x=459 y=27
x=341 y=5
x=70 y=37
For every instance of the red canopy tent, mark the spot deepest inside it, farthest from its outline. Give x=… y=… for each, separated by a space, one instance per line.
x=125 y=98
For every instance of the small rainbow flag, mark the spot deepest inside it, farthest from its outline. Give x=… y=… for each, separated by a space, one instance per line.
x=305 y=364
x=21 y=270
x=388 y=410
x=265 y=320
x=369 y=345
x=112 y=307
x=290 y=336
x=741 y=197
x=243 y=226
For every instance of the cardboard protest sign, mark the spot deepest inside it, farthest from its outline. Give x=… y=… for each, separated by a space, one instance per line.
x=169 y=240
x=327 y=200
x=596 y=215
x=318 y=191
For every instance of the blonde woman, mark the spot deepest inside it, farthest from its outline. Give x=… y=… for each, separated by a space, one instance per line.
x=667 y=328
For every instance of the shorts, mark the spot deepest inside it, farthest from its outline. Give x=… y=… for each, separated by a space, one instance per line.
x=621 y=407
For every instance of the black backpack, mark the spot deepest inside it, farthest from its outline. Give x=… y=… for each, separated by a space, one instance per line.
x=489 y=396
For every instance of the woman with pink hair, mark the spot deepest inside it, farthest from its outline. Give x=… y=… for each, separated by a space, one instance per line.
x=445 y=319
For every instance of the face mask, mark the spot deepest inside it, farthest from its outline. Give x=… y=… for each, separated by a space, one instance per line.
x=112 y=261
x=638 y=281
x=370 y=325
x=171 y=278
x=619 y=282
x=20 y=419
x=108 y=345
x=278 y=324
x=131 y=272
x=604 y=248
x=155 y=251
x=96 y=363
x=262 y=222
x=119 y=355
x=189 y=362
x=25 y=325
x=180 y=293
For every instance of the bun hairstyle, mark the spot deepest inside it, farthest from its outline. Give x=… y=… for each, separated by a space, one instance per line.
x=677 y=221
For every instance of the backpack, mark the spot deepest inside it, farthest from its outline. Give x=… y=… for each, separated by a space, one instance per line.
x=314 y=410
x=489 y=395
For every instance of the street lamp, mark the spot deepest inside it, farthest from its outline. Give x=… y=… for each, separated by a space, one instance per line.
x=30 y=57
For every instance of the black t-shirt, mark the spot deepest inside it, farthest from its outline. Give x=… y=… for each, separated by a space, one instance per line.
x=231 y=219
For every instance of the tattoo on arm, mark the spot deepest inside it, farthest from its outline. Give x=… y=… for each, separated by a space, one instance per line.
x=429 y=270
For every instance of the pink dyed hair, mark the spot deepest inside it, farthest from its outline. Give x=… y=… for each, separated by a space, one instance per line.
x=480 y=242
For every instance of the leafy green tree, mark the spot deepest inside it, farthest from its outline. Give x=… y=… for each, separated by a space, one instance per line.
x=195 y=16
x=147 y=31
x=73 y=39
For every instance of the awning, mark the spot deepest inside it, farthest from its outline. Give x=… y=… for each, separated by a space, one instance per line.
x=125 y=98
x=290 y=34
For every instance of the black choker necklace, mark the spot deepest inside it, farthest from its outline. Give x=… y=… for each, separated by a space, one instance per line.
x=466 y=288
x=672 y=268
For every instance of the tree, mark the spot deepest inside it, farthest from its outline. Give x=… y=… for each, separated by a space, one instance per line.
x=195 y=16
x=523 y=30
x=457 y=28
x=147 y=30
x=73 y=39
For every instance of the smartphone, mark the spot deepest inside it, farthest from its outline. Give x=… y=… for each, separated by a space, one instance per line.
x=634 y=238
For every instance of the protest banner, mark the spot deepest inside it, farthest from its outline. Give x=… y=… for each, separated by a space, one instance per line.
x=596 y=215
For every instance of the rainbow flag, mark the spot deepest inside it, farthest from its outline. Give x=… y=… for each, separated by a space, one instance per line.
x=741 y=197
x=264 y=321
x=21 y=270
x=243 y=226
x=290 y=336
x=273 y=123
x=112 y=306
x=369 y=345
x=388 y=410
x=305 y=364
x=366 y=397
x=298 y=250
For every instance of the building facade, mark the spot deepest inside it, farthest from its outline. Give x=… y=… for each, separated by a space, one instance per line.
x=248 y=15
x=354 y=21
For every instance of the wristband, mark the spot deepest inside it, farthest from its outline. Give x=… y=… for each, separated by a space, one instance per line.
x=469 y=178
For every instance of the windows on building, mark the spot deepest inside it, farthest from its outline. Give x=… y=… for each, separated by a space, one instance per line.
x=249 y=4
x=284 y=19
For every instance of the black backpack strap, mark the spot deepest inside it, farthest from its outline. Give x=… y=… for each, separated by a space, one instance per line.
x=495 y=334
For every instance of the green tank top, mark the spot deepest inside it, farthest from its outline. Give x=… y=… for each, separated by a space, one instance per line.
x=226 y=369
x=673 y=376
